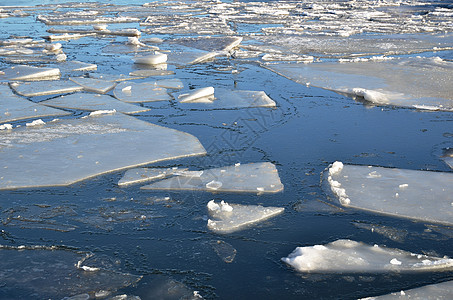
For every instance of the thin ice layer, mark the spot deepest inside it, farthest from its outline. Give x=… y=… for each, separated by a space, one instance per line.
x=13 y=108
x=225 y=99
x=346 y=256
x=76 y=66
x=252 y=178
x=93 y=102
x=140 y=92
x=381 y=82
x=228 y=218
x=67 y=151
x=41 y=88
x=94 y=85
x=419 y=195
x=443 y=290
x=140 y=175
x=188 y=56
x=40 y=272
x=29 y=73
x=223 y=43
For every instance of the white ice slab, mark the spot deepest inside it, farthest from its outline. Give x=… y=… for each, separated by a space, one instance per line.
x=94 y=85
x=41 y=88
x=149 y=73
x=225 y=99
x=76 y=66
x=14 y=108
x=382 y=82
x=251 y=178
x=421 y=195
x=140 y=175
x=29 y=73
x=346 y=256
x=151 y=59
x=67 y=36
x=93 y=102
x=196 y=94
x=67 y=151
x=437 y=291
x=227 y=218
x=140 y=92
x=188 y=56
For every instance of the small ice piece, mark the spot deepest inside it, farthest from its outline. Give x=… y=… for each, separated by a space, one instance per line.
x=390 y=193
x=224 y=250
x=443 y=290
x=347 y=256
x=6 y=126
x=93 y=102
x=127 y=89
x=42 y=88
x=140 y=175
x=140 y=92
x=94 y=85
x=53 y=47
x=100 y=27
x=196 y=94
x=76 y=66
x=102 y=112
x=38 y=122
x=150 y=73
x=153 y=59
x=29 y=73
x=244 y=178
x=229 y=218
x=186 y=173
x=173 y=83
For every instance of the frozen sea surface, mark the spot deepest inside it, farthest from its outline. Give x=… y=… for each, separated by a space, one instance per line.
x=336 y=57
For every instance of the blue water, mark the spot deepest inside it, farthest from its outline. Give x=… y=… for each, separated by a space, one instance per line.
x=309 y=129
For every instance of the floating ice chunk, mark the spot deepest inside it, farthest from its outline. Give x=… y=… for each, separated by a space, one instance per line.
x=14 y=108
x=47 y=266
x=67 y=36
x=447 y=156
x=93 y=102
x=224 y=43
x=245 y=178
x=172 y=83
x=189 y=56
x=224 y=250
x=102 y=112
x=6 y=126
x=41 y=88
x=396 y=192
x=94 y=85
x=388 y=84
x=37 y=122
x=150 y=73
x=140 y=92
x=233 y=217
x=140 y=175
x=196 y=94
x=67 y=151
x=29 y=73
x=153 y=59
x=76 y=66
x=346 y=256
x=114 y=77
x=437 y=291
x=287 y=57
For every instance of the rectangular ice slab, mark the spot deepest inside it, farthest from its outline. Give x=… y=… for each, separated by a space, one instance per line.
x=421 y=195
x=41 y=88
x=140 y=175
x=230 y=218
x=346 y=256
x=437 y=291
x=251 y=178
x=29 y=73
x=140 y=92
x=381 y=82
x=94 y=102
x=67 y=151
x=14 y=108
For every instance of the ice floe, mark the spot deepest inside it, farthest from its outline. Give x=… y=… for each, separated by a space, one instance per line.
x=56 y=272
x=443 y=290
x=41 y=88
x=251 y=178
x=30 y=73
x=93 y=102
x=66 y=151
x=76 y=66
x=224 y=250
x=383 y=82
x=13 y=108
x=140 y=175
x=347 y=256
x=151 y=59
x=224 y=43
x=228 y=218
x=140 y=92
x=94 y=85
x=419 y=195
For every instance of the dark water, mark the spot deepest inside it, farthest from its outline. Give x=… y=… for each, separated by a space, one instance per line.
x=309 y=129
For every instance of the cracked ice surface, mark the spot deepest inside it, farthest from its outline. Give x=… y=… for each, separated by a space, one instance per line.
x=442 y=290
x=64 y=152
x=346 y=256
x=419 y=195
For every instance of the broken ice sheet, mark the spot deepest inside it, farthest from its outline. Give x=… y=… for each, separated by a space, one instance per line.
x=381 y=83
x=419 y=195
x=223 y=43
x=41 y=88
x=182 y=56
x=140 y=175
x=114 y=77
x=247 y=178
x=55 y=272
x=228 y=218
x=224 y=250
x=29 y=73
x=76 y=66
x=14 y=108
x=226 y=99
x=94 y=85
x=67 y=151
x=150 y=73
x=443 y=290
x=140 y=92
x=346 y=256
x=93 y=102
